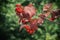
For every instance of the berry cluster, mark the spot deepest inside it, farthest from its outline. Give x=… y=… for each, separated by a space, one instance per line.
x=25 y=14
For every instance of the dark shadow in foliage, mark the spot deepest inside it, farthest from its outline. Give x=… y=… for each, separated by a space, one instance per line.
x=22 y=34
x=58 y=30
x=58 y=3
x=58 y=20
x=43 y=30
x=25 y=3
x=42 y=27
x=51 y=1
x=37 y=3
x=3 y=33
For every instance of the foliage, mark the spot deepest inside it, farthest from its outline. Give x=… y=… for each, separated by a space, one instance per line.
x=9 y=26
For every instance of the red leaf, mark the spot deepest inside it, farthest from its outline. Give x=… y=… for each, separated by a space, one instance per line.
x=33 y=23
x=29 y=11
x=47 y=7
x=55 y=14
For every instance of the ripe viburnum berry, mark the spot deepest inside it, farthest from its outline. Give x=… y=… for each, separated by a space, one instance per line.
x=29 y=29
x=52 y=19
x=24 y=21
x=18 y=9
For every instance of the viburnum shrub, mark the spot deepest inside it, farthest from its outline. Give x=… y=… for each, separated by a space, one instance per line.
x=25 y=14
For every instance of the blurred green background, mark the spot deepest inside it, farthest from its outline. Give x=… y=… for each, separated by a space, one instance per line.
x=9 y=26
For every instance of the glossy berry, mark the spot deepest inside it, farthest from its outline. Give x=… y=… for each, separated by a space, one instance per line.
x=18 y=9
x=27 y=27
x=24 y=21
x=31 y=31
x=52 y=19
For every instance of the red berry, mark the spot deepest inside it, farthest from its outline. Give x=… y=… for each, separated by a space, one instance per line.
x=52 y=19
x=19 y=10
x=27 y=27
x=28 y=30
x=31 y=32
x=24 y=21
